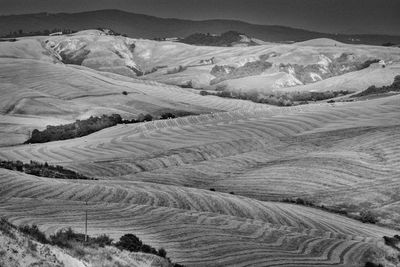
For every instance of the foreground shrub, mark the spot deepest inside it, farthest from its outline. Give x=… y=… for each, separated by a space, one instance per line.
x=129 y=242
x=162 y=253
x=392 y=241
x=34 y=232
x=66 y=237
x=6 y=227
x=75 y=242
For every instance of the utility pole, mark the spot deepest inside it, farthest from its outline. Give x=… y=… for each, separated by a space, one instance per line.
x=86 y=212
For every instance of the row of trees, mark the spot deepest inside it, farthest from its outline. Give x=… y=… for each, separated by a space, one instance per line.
x=287 y=99
x=21 y=33
x=372 y=90
x=85 y=127
x=365 y=216
x=225 y=39
x=73 y=130
x=42 y=170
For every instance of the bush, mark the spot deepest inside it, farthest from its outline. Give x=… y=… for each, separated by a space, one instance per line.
x=34 y=232
x=366 y=216
x=167 y=115
x=129 y=242
x=125 y=93
x=162 y=253
x=65 y=237
x=371 y=264
x=102 y=240
x=6 y=227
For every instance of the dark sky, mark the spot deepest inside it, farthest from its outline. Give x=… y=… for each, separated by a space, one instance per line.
x=344 y=16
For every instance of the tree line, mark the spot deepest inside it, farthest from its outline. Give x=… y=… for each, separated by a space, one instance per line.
x=93 y=124
x=42 y=170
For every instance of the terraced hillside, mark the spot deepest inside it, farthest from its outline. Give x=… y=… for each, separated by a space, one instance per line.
x=150 y=174
x=154 y=178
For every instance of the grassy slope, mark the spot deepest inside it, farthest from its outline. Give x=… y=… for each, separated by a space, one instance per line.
x=20 y=250
x=246 y=155
x=36 y=92
x=154 y=174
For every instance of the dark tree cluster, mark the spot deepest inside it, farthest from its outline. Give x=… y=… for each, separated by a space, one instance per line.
x=21 y=33
x=93 y=124
x=74 y=130
x=287 y=99
x=225 y=39
x=365 y=216
x=42 y=170
x=373 y=90
x=392 y=241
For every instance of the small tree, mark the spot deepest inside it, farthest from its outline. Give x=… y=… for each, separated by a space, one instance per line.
x=162 y=252
x=129 y=242
x=366 y=216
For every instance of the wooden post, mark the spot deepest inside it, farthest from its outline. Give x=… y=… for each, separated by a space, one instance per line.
x=86 y=215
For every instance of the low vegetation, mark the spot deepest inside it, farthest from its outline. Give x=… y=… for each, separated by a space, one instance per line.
x=42 y=170
x=373 y=90
x=388 y=257
x=73 y=130
x=365 y=216
x=7 y=228
x=77 y=242
x=21 y=33
x=93 y=124
x=225 y=39
x=281 y=99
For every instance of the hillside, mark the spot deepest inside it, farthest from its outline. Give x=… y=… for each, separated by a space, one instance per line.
x=237 y=183
x=261 y=70
x=19 y=249
x=143 y=26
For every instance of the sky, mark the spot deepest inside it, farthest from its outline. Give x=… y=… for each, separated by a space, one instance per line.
x=334 y=16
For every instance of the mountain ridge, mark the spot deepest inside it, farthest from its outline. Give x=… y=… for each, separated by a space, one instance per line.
x=156 y=27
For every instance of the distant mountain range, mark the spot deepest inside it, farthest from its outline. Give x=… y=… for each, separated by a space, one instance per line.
x=144 y=26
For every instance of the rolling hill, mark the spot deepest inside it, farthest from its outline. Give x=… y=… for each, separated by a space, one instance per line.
x=212 y=188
